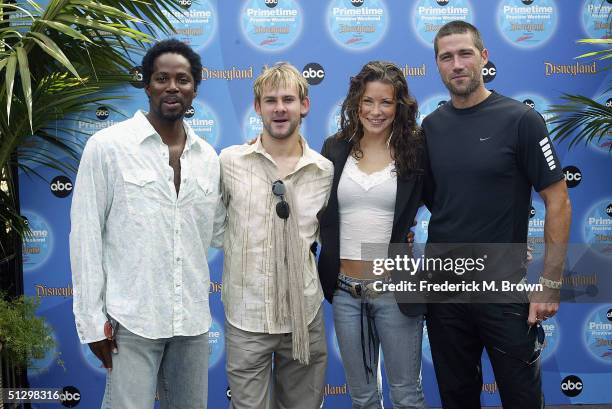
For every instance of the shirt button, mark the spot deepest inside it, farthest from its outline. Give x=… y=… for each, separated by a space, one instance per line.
x=176 y=231
x=178 y=259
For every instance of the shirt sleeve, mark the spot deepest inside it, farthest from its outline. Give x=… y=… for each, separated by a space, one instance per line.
x=90 y=204
x=536 y=153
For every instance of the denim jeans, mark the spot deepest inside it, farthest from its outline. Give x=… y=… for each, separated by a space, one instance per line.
x=400 y=337
x=177 y=367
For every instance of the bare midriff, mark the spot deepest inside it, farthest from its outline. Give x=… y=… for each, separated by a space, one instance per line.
x=358 y=269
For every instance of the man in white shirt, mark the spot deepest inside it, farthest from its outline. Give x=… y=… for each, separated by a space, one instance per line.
x=274 y=190
x=145 y=209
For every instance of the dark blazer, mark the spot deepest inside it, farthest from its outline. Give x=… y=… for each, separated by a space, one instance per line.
x=407 y=202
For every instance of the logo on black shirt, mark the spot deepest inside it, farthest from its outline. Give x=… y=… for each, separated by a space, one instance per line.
x=572 y=176
x=489 y=72
x=440 y=103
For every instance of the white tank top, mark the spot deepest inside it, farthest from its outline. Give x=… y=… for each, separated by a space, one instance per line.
x=366 y=205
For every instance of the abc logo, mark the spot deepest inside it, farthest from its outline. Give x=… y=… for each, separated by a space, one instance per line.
x=532 y=212
x=271 y=3
x=571 y=386
x=442 y=2
x=185 y=3
x=61 y=186
x=189 y=112
x=489 y=72
x=70 y=397
x=609 y=210
x=572 y=175
x=609 y=315
x=137 y=77
x=357 y=3
x=529 y=103
x=440 y=103
x=314 y=73
x=609 y=101
x=102 y=113
x=527 y=2
x=228 y=393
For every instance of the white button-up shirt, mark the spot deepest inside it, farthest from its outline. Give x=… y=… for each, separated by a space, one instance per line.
x=137 y=251
x=247 y=194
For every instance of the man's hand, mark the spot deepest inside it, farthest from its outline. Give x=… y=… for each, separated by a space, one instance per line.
x=103 y=350
x=544 y=304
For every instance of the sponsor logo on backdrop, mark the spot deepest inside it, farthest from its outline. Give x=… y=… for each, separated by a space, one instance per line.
x=216 y=343
x=603 y=144
x=527 y=25
x=195 y=24
x=357 y=27
x=535 y=228
x=598 y=334
x=596 y=18
x=204 y=122
x=229 y=74
x=228 y=393
x=333 y=120
x=61 y=186
x=551 y=329
x=538 y=103
x=489 y=72
x=70 y=397
x=189 y=112
x=430 y=15
x=271 y=26
x=313 y=73
x=572 y=386
x=136 y=73
x=430 y=105
x=252 y=125
x=577 y=68
x=38 y=245
x=597 y=228
x=45 y=291
x=414 y=71
x=87 y=123
x=572 y=176
x=335 y=390
x=215 y=287
x=490 y=388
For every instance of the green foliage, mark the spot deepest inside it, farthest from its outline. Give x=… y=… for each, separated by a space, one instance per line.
x=23 y=335
x=56 y=62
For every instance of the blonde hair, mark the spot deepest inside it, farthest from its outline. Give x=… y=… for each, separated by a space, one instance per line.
x=280 y=75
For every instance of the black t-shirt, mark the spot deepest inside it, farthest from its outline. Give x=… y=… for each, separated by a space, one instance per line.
x=484 y=161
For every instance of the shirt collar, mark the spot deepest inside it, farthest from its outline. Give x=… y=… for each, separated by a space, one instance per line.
x=145 y=130
x=308 y=155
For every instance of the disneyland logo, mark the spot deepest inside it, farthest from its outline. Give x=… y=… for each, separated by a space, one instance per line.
x=227 y=74
x=569 y=69
x=44 y=291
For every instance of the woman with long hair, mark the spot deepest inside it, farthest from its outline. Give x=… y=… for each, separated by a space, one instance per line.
x=378 y=157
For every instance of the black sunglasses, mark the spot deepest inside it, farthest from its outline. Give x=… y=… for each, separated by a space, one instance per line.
x=282 y=207
x=539 y=346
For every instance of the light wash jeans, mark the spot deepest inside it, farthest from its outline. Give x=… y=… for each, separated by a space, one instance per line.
x=400 y=337
x=177 y=367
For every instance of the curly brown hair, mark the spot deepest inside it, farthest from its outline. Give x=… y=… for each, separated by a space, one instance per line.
x=407 y=139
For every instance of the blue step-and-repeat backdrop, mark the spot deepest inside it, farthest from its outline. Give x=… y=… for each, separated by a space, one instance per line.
x=532 y=48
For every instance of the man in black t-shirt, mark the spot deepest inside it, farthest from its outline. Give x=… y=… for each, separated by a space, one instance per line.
x=486 y=153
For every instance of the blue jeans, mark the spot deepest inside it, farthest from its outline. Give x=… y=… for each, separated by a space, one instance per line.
x=177 y=367
x=400 y=337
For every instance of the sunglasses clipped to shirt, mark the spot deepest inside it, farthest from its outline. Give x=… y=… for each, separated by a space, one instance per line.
x=282 y=207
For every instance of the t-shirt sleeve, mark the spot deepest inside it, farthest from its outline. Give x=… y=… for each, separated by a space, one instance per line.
x=536 y=153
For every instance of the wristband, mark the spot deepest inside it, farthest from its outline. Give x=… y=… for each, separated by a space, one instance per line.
x=553 y=285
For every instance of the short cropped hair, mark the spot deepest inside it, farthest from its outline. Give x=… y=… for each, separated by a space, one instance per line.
x=172 y=46
x=280 y=75
x=459 y=27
